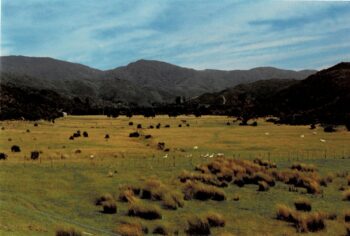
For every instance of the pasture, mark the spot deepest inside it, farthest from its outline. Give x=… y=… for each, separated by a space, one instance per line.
x=59 y=189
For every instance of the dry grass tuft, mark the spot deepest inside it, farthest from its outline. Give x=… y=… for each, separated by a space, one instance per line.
x=265 y=163
x=286 y=214
x=67 y=232
x=205 y=178
x=148 y=212
x=199 y=191
x=131 y=228
x=263 y=186
x=302 y=204
x=103 y=198
x=311 y=222
x=162 y=229
x=215 y=219
x=346 y=195
x=109 y=207
x=303 y=167
x=347 y=216
x=197 y=226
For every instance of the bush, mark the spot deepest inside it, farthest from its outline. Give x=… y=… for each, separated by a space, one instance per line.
x=303 y=167
x=254 y=123
x=126 y=195
x=3 y=156
x=286 y=214
x=139 y=126
x=34 y=155
x=85 y=134
x=329 y=129
x=103 y=198
x=148 y=136
x=215 y=219
x=131 y=123
x=148 y=212
x=197 y=226
x=109 y=207
x=68 y=232
x=15 y=148
x=310 y=223
x=134 y=135
x=302 y=204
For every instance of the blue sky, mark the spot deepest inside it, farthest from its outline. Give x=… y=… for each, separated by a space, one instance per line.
x=193 y=33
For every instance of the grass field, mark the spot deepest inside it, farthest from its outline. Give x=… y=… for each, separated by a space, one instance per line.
x=60 y=188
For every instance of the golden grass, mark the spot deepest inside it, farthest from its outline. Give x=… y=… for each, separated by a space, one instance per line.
x=64 y=231
x=199 y=191
x=215 y=219
x=346 y=195
x=145 y=211
x=302 y=204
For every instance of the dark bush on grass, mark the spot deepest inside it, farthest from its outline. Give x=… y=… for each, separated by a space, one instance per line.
x=3 y=156
x=197 y=226
x=148 y=136
x=34 y=155
x=107 y=136
x=131 y=123
x=215 y=219
x=134 y=135
x=254 y=124
x=302 y=204
x=303 y=167
x=109 y=207
x=148 y=212
x=161 y=145
x=139 y=126
x=158 y=126
x=167 y=126
x=28 y=131
x=36 y=124
x=329 y=129
x=85 y=134
x=15 y=148
x=103 y=198
x=68 y=232
x=71 y=138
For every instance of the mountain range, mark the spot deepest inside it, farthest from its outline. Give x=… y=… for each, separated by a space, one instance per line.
x=143 y=82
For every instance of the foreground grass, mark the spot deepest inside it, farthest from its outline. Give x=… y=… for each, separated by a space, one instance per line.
x=39 y=196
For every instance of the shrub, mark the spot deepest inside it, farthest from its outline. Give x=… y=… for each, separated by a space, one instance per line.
x=103 y=198
x=85 y=134
x=172 y=201
x=166 y=126
x=3 y=156
x=203 y=192
x=302 y=204
x=71 y=138
x=197 y=226
x=204 y=178
x=215 y=219
x=131 y=123
x=107 y=136
x=68 y=232
x=329 y=129
x=148 y=212
x=263 y=186
x=148 y=136
x=265 y=163
x=126 y=195
x=346 y=195
x=134 y=135
x=15 y=148
x=139 y=126
x=254 y=123
x=34 y=155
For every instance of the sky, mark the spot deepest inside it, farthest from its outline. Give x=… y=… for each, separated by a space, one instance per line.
x=200 y=34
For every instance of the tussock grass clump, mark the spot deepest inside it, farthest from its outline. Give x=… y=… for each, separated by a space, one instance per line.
x=199 y=191
x=347 y=216
x=235 y=197
x=162 y=229
x=263 y=186
x=197 y=226
x=109 y=207
x=126 y=195
x=346 y=195
x=286 y=214
x=63 y=231
x=311 y=222
x=302 y=204
x=131 y=228
x=172 y=200
x=103 y=198
x=303 y=167
x=204 y=178
x=215 y=219
x=265 y=163
x=148 y=212
x=348 y=179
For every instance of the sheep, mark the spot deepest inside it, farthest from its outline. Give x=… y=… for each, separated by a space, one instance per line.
x=15 y=148
x=3 y=156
